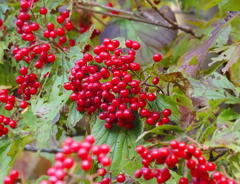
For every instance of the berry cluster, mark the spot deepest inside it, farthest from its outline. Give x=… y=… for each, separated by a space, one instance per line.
x=13 y=175
x=85 y=150
x=119 y=96
x=169 y=156
x=6 y=121
x=8 y=99
x=27 y=85
x=106 y=180
x=29 y=29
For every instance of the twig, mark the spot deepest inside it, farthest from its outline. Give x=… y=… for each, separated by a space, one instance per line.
x=106 y=7
x=174 y=24
x=151 y=85
x=125 y=17
x=45 y=150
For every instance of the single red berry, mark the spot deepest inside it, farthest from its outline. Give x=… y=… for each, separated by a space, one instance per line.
x=14 y=174
x=23 y=104
x=23 y=70
x=128 y=43
x=60 y=19
x=43 y=11
x=151 y=97
x=121 y=178
x=157 y=57
x=166 y=112
x=155 y=81
x=102 y=172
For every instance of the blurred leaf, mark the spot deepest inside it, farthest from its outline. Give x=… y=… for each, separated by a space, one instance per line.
x=228 y=114
x=160 y=129
x=212 y=3
x=125 y=5
x=74 y=116
x=235 y=73
x=212 y=69
x=231 y=54
x=227 y=5
x=234 y=162
x=147 y=35
x=121 y=141
x=202 y=51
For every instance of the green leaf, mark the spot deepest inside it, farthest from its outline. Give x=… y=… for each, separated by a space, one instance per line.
x=234 y=162
x=165 y=102
x=8 y=151
x=74 y=115
x=212 y=69
x=228 y=115
x=41 y=119
x=122 y=142
x=211 y=4
x=160 y=129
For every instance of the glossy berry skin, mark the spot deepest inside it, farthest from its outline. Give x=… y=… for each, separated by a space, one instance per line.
x=8 y=180
x=121 y=178
x=157 y=57
x=43 y=11
x=23 y=104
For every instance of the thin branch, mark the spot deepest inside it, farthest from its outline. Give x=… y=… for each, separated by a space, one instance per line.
x=125 y=17
x=151 y=85
x=174 y=24
x=45 y=150
x=106 y=7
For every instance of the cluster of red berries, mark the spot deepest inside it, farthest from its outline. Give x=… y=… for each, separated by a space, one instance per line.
x=8 y=99
x=86 y=150
x=4 y=121
x=119 y=96
x=106 y=180
x=27 y=84
x=169 y=156
x=113 y=12
x=13 y=175
x=27 y=29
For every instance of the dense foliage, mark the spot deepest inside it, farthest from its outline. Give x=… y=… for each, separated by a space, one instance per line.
x=121 y=91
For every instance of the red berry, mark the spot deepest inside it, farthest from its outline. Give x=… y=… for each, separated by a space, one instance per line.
x=43 y=11
x=120 y=178
x=167 y=112
x=128 y=43
x=23 y=71
x=14 y=174
x=23 y=104
x=136 y=45
x=157 y=57
x=69 y=26
x=155 y=81
x=151 y=97
x=60 y=19
x=8 y=180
